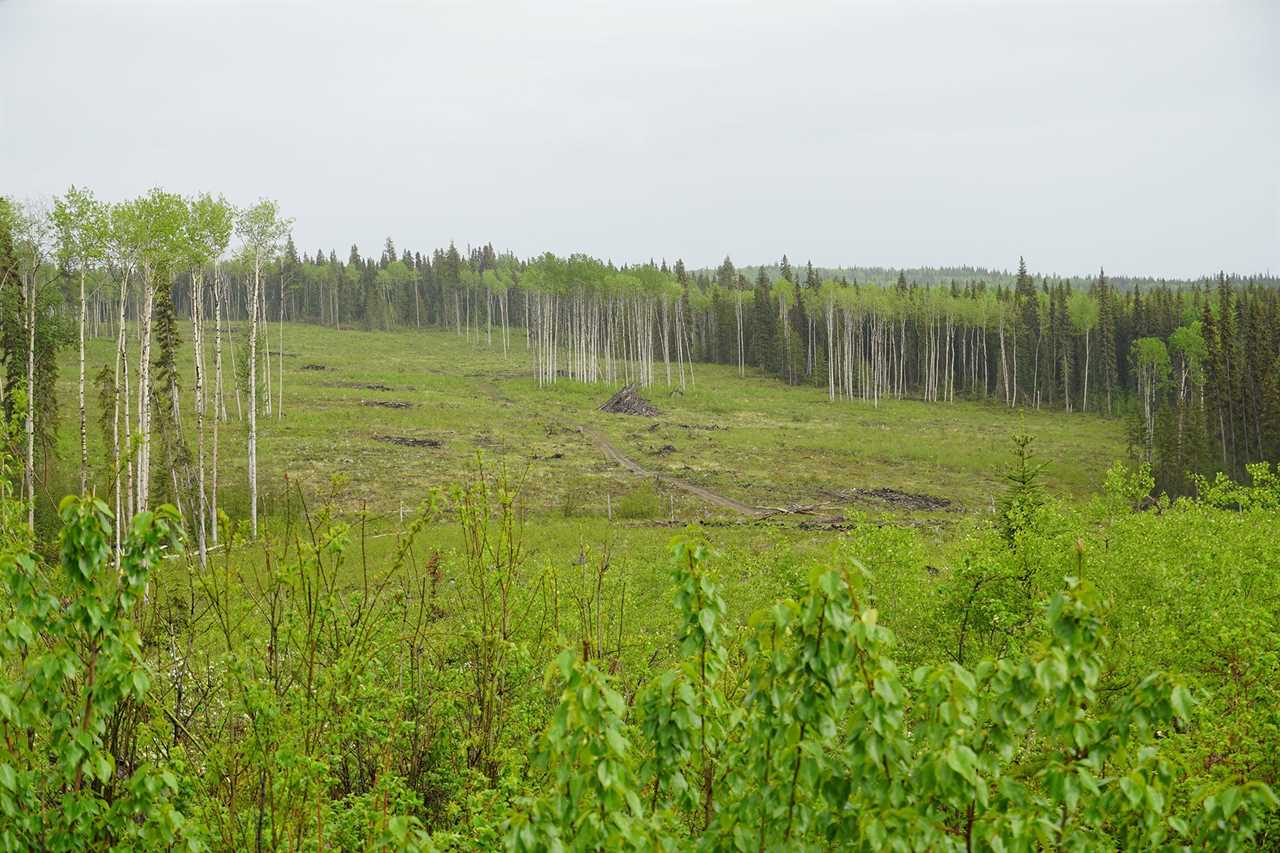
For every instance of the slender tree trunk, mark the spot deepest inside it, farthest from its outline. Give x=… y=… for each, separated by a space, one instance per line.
x=1084 y=402
x=1066 y=381
x=1014 y=401
x=1004 y=368
x=128 y=459
x=197 y=341
x=253 y=398
x=121 y=362
x=266 y=342
x=280 y=389
x=144 y=394
x=30 y=472
x=1035 y=376
x=84 y=429
x=506 y=340
x=831 y=352
x=219 y=402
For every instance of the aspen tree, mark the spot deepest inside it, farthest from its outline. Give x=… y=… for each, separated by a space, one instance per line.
x=261 y=228
x=81 y=225
x=156 y=226
x=1084 y=317
x=209 y=231
x=122 y=253
x=33 y=236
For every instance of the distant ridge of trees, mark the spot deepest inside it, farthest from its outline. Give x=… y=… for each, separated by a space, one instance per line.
x=970 y=274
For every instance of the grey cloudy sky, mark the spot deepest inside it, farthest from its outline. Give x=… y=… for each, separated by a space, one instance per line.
x=1141 y=136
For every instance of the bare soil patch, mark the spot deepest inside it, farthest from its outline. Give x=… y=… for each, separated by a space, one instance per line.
x=409 y=441
x=387 y=404
x=896 y=498
x=361 y=386
x=819 y=515
x=616 y=457
x=707 y=427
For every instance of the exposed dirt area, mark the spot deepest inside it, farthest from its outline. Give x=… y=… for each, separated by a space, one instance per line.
x=387 y=404
x=707 y=427
x=896 y=498
x=409 y=441
x=361 y=386
x=616 y=457
x=839 y=522
x=823 y=514
x=316 y=367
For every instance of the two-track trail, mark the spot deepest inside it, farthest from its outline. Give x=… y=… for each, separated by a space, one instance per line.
x=620 y=459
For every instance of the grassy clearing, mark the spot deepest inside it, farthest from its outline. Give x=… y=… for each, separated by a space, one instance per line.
x=750 y=439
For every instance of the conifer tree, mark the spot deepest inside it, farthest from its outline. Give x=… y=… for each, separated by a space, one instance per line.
x=175 y=455
x=764 y=342
x=1107 y=338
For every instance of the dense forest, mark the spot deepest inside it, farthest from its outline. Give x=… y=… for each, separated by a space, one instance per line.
x=1069 y=676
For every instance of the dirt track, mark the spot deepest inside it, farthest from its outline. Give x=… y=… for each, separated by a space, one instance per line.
x=618 y=458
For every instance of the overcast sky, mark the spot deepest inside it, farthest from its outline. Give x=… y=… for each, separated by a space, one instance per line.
x=1139 y=136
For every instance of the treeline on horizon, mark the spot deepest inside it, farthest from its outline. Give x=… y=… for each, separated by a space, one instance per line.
x=1193 y=366
x=926 y=275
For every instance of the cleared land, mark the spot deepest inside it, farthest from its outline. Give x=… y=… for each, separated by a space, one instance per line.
x=378 y=419
x=375 y=421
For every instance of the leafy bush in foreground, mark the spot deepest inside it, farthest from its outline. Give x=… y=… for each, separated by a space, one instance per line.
x=832 y=747
x=303 y=703
x=72 y=666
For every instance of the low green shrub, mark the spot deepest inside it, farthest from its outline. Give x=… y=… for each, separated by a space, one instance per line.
x=644 y=501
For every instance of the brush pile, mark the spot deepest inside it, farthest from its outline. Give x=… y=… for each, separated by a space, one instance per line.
x=629 y=402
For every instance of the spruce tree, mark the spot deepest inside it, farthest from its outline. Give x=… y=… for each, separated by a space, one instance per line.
x=811 y=280
x=1229 y=384
x=1025 y=493
x=764 y=344
x=171 y=475
x=1107 y=344
x=1271 y=412
x=1027 y=331
x=726 y=275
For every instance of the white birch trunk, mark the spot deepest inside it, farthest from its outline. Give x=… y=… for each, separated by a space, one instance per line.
x=253 y=397
x=84 y=429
